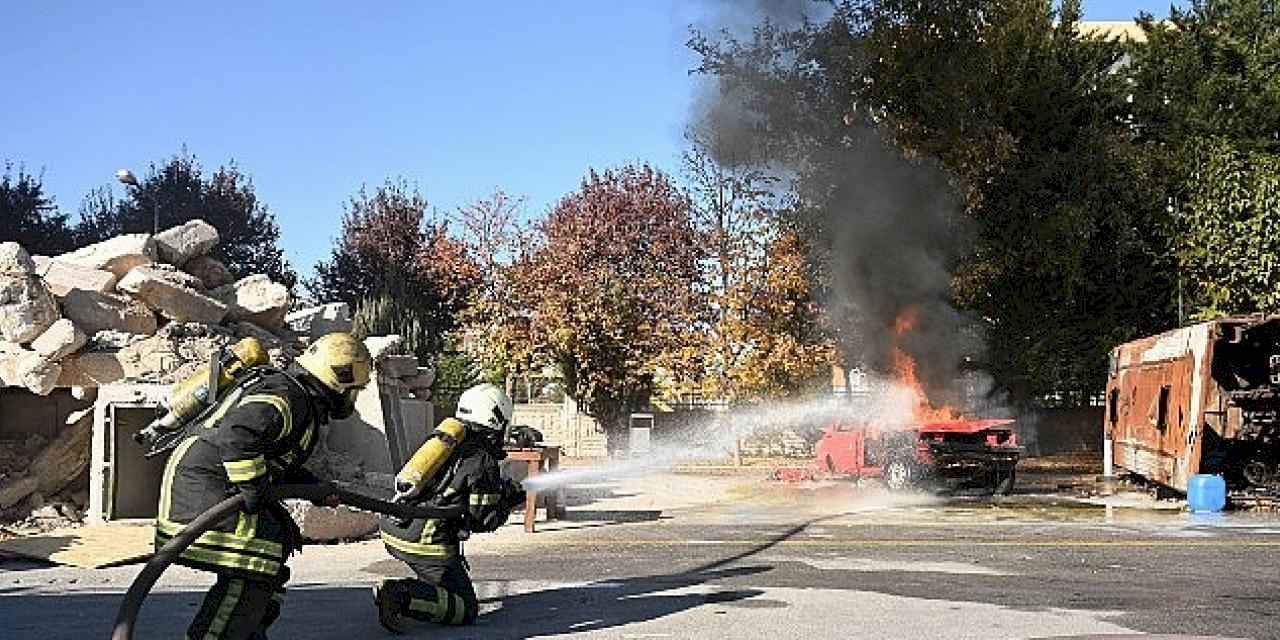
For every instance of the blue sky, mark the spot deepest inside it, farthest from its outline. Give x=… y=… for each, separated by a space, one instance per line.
x=315 y=99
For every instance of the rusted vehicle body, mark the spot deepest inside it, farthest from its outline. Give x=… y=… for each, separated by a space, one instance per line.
x=1199 y=399
x=954 y=454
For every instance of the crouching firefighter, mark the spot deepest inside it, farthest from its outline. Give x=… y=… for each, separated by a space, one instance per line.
x=259 y=434
x=456 y=468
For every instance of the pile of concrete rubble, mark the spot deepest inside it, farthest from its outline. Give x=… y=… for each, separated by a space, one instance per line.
x=44 y=482
x=137 y=307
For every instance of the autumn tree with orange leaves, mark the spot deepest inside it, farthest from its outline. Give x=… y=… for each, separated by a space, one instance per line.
x=398 y=269
x=763 y=339
x=494 y=339
x=610 y=289
x=770 y=330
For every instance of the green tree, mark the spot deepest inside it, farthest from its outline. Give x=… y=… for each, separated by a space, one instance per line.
x=30 y=217
x=1206 y=106
x=1211 y=70
x=1228 y=230
x=248 y=234
x=455 y=373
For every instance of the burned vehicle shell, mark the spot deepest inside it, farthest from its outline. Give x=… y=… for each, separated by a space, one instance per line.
x=1200 y=399
x=965 y=453
x=953 y=454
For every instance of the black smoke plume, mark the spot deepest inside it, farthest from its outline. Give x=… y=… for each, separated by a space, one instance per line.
x=888 y=230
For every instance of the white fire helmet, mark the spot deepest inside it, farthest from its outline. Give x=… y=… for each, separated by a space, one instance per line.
x=485 y=405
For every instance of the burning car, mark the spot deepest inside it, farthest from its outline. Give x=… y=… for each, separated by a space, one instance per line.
x=952 y=454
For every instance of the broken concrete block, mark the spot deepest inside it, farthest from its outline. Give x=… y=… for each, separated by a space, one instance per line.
x=96 y=368
x=137 y=361
x=15 y=490
x=251 y=330
x=318 y=321
x=172 y=293
x=60 y=340
x=210 y=270
x=38 y=374
x=382 y=346
x=186 y=241
x=95 y=312
x=14 y=260
x=327 y=523
x=425 y=377
x=70 y=512
x=62 y=277
x=88 y=394
x=175 y=352
x=9 y=355
x=66 y=457
x=118 y=255
x=114 y=340
x=398 y=366
x=26 y=308
x=255 y=299
x=47 y=512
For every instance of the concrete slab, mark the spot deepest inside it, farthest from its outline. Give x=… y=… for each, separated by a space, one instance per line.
x=89 y=547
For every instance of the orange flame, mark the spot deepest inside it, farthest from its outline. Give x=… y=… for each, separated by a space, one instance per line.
x=904 y=373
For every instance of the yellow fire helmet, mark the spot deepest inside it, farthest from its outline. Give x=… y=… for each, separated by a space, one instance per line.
x=338 y=361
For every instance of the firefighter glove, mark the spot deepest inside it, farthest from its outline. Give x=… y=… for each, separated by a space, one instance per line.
x=512 y=495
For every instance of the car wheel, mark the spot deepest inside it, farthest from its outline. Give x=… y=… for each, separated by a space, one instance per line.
x=1004 y=483
x=897 y=475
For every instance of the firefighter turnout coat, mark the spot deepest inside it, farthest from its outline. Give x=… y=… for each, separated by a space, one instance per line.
x=470 y=480
x=260 y=433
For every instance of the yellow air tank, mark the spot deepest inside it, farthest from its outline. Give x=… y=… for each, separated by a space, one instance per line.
x=428 y=459
x=191 y=396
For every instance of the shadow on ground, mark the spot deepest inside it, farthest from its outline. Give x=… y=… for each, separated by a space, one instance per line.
x=318 y=613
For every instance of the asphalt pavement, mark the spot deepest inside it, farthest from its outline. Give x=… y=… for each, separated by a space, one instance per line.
x=684 y=557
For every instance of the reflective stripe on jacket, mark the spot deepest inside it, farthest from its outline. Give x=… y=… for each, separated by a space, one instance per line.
x=470 y=479
x=254 y=436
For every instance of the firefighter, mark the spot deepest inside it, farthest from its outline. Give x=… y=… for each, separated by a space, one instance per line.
x=258 y=435
x=469 y=479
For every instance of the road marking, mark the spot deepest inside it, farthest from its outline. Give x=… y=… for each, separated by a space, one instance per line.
x=909 y=543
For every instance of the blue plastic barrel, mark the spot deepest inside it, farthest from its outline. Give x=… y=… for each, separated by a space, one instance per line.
x=1206 y=493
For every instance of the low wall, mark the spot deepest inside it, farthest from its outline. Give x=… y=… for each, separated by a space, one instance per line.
x=1051 y=431
x=577 y=434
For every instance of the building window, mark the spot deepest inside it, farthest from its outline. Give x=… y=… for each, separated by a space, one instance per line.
x=1162 y=409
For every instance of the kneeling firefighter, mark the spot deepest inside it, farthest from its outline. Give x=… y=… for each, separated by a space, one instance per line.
x=458 y=466
x=258 y=435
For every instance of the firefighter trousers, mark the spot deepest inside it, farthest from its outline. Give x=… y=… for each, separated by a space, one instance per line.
x=442 y=592
x=237 y=608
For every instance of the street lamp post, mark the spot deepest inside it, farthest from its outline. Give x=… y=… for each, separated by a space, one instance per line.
x=126 y=176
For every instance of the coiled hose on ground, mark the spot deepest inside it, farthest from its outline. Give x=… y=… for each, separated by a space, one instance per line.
x=127 y=617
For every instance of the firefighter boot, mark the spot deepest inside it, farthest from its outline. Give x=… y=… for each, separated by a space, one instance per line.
x=391 y=598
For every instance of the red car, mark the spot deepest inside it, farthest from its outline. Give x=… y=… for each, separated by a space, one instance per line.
x=957 y=454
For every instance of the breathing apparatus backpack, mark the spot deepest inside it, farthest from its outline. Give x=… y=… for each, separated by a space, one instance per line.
x=429 y=458
x=193 y=399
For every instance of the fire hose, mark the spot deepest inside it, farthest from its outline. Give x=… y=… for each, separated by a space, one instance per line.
x=127 y=617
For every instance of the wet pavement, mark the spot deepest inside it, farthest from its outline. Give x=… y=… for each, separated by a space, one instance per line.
x=691 y=557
